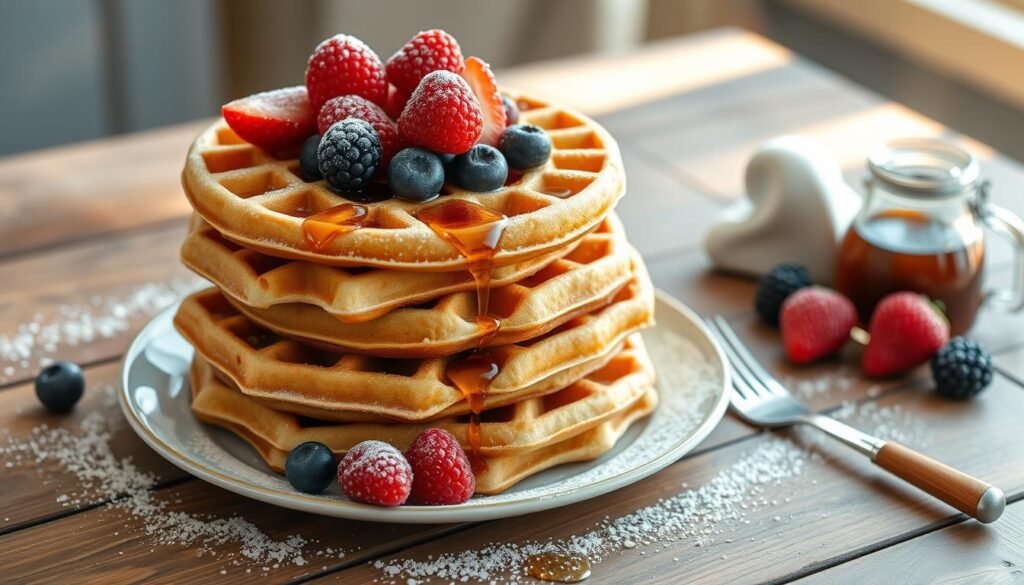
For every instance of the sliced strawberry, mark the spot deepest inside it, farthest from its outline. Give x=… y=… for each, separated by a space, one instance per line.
x=480 y=79
x=274 y=119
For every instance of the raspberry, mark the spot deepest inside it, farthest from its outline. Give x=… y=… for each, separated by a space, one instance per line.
x=374 y=472
x=906 y=331
x=344 y=65
x=441 y=471
x=352 y=106
x=273 y=119
x=349 y=154
x=816 y=322
x=480 y=79
x=428 y=51
x=395 y=102
x=782 y=281
x=442 y=115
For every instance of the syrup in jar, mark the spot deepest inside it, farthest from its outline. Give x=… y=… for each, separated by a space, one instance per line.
x=920 y=230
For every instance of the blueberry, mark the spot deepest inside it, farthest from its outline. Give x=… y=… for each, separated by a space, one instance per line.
x=482 y=168
x=511 y=110
x=525 y=146
x=446 y=158
x=60 y=386
x=416 y=174
x=311 y=467
x=308 y=161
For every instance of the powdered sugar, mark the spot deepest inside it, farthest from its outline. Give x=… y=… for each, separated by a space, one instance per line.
x=714 y=513
x=36 y=343
x=100 y=476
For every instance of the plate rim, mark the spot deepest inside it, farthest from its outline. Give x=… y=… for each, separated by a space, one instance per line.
x=429 y=514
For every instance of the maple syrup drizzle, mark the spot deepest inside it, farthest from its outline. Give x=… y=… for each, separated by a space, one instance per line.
x=472 y=375
x=475 y=231
x=562 y=568
x=320 y=228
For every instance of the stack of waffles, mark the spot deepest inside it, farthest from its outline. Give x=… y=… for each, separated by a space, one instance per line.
x=508 y=318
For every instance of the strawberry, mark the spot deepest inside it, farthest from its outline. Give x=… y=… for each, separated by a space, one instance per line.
x=442 y=115
x=352 y=106
x=344 y=65
x=480 y=79
x=374 y=472
x=441 y=471
x=815 y=323
x=395 y=102
x=906 y=331
x=272 y=120
x=428 y=51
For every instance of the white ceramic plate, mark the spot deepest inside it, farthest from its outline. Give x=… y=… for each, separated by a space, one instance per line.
x=692 y=382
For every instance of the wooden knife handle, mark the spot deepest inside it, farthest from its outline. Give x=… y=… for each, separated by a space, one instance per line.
x=968 y=494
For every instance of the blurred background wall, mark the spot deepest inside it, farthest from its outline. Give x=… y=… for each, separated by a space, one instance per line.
x=72 y=70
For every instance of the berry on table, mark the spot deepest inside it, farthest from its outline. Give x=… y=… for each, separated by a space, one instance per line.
x=308 y=161
x=349 y=154
x=511 y=110
x=352 y=106
x=525 y=146
x=272 y=120
x=344 y=65
x=480 y=79
x=416 y=174
x=441 y=471
x=310 y=467
x=776 y=286
x=961 y=369
x=442 y=115
x=816 y=323
x=481 y=169
x=906 y=330
x=59 y=386
x=374 y=472
x=428 y=51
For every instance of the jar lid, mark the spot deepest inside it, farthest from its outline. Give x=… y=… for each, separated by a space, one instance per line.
x=924 y=167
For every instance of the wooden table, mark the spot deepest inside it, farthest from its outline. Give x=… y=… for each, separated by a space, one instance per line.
x=100 y=220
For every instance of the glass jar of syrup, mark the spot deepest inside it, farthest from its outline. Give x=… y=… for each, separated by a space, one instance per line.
x=920 y=229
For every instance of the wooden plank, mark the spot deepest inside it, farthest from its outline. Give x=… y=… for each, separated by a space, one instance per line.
x=88 y=300
x=832 y=507
x=82 y=191
x=36 y=490
x=112 y=545
x=967 y=552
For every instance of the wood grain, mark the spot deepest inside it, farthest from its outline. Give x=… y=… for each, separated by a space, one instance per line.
x=83 y=191
x=967 y=552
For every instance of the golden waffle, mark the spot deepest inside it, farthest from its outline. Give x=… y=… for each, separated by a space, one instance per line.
x=583 y=281
x=260 y=201
x=341 y=386
x=576 y=423
x=351 y=295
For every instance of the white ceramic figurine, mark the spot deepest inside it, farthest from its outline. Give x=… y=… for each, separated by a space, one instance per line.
x=798 y=208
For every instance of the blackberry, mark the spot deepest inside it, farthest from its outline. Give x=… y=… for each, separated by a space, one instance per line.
x=349 y=154
x=776 y=286
x=961 y=369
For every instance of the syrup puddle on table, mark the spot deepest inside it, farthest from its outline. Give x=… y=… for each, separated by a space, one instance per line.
x=558 y=567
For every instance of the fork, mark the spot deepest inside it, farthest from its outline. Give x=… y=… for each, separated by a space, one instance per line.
x=762 y=401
